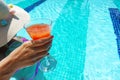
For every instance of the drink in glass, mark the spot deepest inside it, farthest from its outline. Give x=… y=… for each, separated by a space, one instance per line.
x=38 y=29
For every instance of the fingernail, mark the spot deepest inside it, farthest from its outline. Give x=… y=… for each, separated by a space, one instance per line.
x=52 y=36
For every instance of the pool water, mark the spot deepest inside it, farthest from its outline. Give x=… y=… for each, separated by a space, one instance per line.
x=101 y=52
x=84 y=42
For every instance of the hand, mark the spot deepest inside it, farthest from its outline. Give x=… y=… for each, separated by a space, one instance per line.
x=30 y=52
x=25 y=55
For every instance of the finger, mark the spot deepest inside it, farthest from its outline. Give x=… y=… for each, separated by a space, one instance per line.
x=12 y=12
x=43 y=55
x=44 y=47
x=42 y=41
x=39 y=42
x=36 y=54
x=42 y=44
x=33 y=58
x=39 y=56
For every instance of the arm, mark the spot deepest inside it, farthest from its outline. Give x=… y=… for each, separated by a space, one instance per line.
x=6 y=68
x=26 y=55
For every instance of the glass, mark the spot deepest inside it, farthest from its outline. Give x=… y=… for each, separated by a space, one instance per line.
x=37 y=29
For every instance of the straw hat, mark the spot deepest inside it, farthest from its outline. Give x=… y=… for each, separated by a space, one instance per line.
x=8 y=28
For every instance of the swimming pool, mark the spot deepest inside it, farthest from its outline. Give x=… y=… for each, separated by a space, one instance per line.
x=85 y=43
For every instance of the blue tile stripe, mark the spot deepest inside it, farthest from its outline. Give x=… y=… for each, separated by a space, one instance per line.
x=29 y=8
x=115 y=17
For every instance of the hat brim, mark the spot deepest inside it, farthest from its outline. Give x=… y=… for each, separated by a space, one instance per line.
x=20 y=18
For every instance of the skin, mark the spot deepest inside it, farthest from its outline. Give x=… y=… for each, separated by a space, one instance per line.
x=25 y=55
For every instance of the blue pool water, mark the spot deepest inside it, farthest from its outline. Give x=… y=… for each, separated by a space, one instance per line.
x=84 y=42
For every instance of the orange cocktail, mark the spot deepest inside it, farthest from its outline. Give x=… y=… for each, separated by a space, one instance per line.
x=38 y=31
